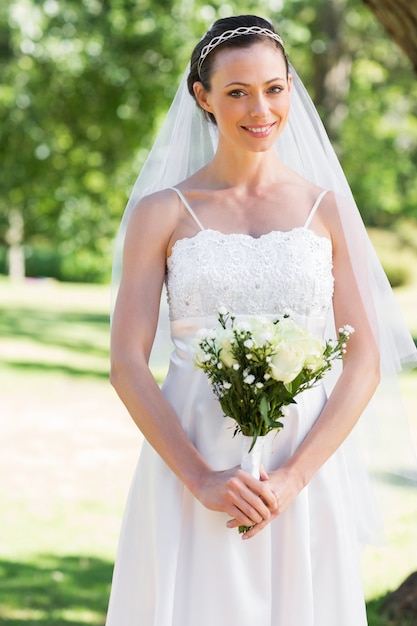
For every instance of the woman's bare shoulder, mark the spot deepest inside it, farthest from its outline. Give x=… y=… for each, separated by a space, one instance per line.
x=151 y=222
x=160 y=206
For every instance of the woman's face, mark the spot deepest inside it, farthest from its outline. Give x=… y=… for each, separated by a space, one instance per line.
x=249 y=95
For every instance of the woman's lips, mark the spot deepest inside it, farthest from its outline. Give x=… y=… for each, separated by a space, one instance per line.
x=259 y=131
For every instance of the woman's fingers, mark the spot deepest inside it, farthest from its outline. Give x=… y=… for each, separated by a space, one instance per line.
x=253 y=499
x=238 y=494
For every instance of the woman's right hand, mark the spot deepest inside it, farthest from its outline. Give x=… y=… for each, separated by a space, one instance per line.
x=235 y=492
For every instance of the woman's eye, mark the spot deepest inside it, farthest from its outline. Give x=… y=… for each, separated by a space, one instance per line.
x=275 y=89
x=237 y=93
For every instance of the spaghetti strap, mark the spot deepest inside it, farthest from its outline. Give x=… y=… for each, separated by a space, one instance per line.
x=314 y=209
x=187 y=206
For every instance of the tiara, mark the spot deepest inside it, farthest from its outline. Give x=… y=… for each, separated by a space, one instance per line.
x=229 y=34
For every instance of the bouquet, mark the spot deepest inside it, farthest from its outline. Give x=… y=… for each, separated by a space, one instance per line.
x=257 y=367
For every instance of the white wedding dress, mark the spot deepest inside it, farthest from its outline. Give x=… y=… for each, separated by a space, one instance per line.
x=177 y=563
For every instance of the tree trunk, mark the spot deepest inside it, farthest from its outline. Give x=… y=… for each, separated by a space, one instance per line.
x=332 y=68
x=402 y=602
x=399 y=18
x=14 y=238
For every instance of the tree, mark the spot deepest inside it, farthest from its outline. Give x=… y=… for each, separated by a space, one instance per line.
x=363 y=91
x=81 y=87
x=84 y=85
x=399 y=18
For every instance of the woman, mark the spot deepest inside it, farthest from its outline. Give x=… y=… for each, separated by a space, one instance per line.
x=245 y=231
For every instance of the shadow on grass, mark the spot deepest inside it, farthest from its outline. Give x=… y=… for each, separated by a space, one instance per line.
x=53 y=328
x=79 y=334
x=74 y=591
x=54 y=591
x=54 y=368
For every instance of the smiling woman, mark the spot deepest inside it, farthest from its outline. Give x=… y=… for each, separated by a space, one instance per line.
x=242 y=205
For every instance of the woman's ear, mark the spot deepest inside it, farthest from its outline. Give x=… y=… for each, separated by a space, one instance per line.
x=202 y=96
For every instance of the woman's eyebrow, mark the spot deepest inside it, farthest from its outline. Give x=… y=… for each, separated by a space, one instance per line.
x=238 y=82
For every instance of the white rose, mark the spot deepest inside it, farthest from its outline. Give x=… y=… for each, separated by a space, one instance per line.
x=225 y=340
x=263 y=331
x=314 y=353
x=289 y=331
x=288 y=362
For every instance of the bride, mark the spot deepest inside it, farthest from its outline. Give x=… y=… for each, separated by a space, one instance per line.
x=243 y=204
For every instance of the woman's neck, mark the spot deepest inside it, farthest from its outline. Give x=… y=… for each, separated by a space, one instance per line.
x=244 y=169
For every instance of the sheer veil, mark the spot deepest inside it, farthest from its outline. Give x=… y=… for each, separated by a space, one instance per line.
x=187 y=141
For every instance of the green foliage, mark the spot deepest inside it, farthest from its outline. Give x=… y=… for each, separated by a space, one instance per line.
x=397 y=254
x=84 y=85
x=370 y=105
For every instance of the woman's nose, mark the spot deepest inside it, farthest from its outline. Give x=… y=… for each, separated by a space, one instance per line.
x=259 y=107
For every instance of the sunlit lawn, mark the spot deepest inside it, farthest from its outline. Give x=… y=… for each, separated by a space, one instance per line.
x=68 y=452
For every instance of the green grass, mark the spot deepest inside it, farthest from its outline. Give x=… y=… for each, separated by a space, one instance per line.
x=69 y=450
x=54 y=591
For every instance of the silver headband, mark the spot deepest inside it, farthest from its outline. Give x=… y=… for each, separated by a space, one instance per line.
x=229 y=34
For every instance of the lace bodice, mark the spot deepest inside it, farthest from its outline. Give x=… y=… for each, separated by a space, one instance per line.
x=276 y=273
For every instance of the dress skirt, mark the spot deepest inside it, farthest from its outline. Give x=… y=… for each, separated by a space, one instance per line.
x=179 y=565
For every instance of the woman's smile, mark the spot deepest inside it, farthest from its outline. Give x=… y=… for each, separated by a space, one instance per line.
x=259 y=131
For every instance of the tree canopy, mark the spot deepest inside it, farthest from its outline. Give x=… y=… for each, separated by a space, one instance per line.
x=84 y=85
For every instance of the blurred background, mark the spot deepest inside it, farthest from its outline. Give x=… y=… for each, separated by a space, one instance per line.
x=84 y=86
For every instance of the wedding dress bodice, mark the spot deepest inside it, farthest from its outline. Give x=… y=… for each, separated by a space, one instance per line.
x=279 y=272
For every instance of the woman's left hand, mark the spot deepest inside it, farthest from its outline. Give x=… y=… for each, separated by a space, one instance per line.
x=285 y=487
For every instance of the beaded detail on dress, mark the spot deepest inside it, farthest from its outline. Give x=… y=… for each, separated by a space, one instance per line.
x=276 y=273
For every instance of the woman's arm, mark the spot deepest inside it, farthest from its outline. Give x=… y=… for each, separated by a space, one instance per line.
x=353 y=390
x=133 y=329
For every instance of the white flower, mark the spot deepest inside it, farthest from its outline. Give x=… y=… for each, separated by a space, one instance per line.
x=249 y=379
x=262 y=331
x=288 y=362
x=267 y=376
x=249 y=356
x=248 y=343
x=259 y=385
x=219 y=366
x=243 y=326
x=313 y=347
x=346 y=329
x=227 y=385
x=202 y=333
x=222 y=310
x=236 y=366
x=225 y=340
